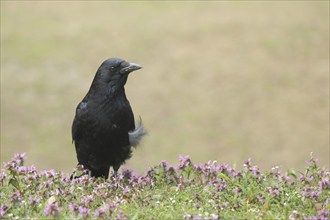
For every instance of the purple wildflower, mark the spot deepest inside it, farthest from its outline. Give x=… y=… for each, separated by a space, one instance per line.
x=127 y=173
x=170 y=169
x=311 y=192
x=22 y=169
x=3 y=176
x=274 y=191
x=48 y=173
x=225 y=205
x=287 y=179
x=121 y=215
x=198 y=217
x=84 y=212
x=309 y=177
x=135 y=180
x=20 y=156
x=229 y=169
x=32 y=169
x=99 y=213
x=219 y=184
x=184 y=161
x=31 y=176
x=87 y=200
x=126 y=191
x=197 y=167
x=312 y=162
x=51 y=209
x=311 y=218
x=74 y=208
x=323 y=214
x=16 y=196
x=164 y=164
x=47 y=184
x=10 y=165
x=112 y=206
x=19 y=159
x=25 y=170
x=187 y=216
x=147 y=180
x=324 y=183
x=34 y=200
x=261 y=198
x=255 y=171
x=275 y=171
x=236 y=174
x=247 y=163
x=150 y=171
x=16 y=161
x=3 y=210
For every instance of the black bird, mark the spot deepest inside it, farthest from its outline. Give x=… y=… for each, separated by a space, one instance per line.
x=103 y=129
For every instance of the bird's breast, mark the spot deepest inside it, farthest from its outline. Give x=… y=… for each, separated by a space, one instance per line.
x=111 y=115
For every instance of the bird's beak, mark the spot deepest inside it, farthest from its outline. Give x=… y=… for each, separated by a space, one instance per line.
x=130 y=68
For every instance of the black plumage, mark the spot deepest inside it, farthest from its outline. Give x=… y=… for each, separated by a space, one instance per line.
x=103 y=129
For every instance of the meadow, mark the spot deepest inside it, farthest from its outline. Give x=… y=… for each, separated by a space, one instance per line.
x=222 y=81
x=183 y=191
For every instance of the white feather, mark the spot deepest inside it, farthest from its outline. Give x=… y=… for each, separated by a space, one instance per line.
x=136 y=135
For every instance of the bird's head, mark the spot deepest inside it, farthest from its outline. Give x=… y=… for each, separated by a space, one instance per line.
x=114 y=72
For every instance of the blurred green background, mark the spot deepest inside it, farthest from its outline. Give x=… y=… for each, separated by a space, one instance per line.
x=221 y=81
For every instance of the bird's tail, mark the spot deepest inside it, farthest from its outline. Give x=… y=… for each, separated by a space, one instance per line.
x=136 y=135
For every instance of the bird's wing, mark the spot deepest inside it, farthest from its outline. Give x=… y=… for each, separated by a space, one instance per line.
x=131 y=120
x=79 y=119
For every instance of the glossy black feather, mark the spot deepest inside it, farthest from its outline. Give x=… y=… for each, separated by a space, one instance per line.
x=104 y=119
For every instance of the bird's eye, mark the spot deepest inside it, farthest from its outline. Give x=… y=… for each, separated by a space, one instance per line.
x=112 y=68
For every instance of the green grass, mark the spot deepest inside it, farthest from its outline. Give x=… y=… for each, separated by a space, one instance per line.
x=220 y=80
x=186 y=191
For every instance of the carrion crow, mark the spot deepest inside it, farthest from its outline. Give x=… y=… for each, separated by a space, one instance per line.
x=103 y=129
